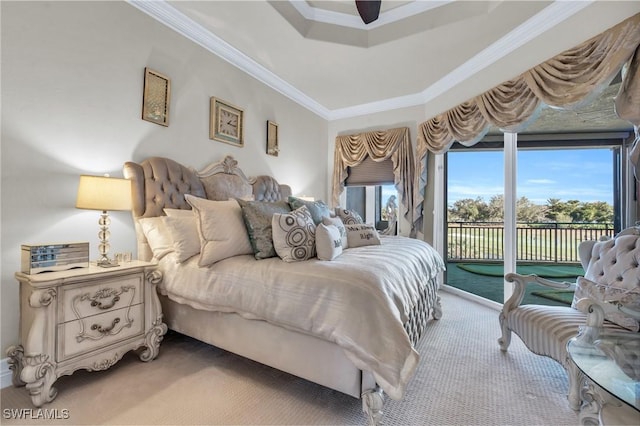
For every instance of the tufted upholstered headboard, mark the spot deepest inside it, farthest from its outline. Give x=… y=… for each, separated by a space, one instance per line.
x=613 y=261
x=159 y=183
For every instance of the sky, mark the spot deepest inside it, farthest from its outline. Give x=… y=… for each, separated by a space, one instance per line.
x=577 y=174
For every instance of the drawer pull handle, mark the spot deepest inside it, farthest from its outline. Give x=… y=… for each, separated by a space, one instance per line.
x=99 y=305
x=111 y=296
x=105 y=330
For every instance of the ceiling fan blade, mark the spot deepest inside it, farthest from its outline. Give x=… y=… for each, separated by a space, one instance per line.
x=368 y=10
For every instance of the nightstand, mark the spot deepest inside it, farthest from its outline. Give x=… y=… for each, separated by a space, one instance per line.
x=84 y=318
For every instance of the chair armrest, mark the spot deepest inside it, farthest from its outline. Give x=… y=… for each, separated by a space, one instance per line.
x=594 y=309
x=520 y=283
x=627 y=311
x=607 y=307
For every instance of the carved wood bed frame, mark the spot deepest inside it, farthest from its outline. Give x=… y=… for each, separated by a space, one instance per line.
x=160 y=183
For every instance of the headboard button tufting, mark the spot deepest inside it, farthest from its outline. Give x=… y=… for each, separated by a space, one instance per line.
x=160 y=183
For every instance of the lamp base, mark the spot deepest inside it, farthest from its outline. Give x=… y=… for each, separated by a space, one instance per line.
x=107 y=264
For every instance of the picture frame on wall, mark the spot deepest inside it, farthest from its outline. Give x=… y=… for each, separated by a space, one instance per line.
x=156 y=97
x=272 y=138
x=226 y=123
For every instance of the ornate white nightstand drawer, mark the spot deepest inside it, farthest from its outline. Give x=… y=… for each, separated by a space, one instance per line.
x=85 y=318
x=85 y=300
x=83 y=335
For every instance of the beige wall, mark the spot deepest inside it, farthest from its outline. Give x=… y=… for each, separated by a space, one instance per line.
x=72 y=80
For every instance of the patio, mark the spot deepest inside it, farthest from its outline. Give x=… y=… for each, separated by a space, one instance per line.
x=549 y=250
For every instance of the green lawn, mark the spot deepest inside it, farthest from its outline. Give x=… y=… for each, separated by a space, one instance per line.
x=492 y=287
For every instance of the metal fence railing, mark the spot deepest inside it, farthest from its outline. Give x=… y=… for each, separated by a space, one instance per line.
x=535 y=242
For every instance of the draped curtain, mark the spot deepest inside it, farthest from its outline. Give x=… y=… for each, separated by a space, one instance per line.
x=568 y=80
x=351 y=150
x=627 y=107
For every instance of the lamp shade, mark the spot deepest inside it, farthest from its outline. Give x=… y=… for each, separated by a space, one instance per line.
x=103 y=193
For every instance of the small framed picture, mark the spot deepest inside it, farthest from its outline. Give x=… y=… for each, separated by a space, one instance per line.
x=226 y=123
x=272 y=138
x=156 y=97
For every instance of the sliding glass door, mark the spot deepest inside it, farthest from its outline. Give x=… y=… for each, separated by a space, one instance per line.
x=525 y=205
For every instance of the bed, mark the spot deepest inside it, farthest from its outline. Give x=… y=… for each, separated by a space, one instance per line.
x=350 y=324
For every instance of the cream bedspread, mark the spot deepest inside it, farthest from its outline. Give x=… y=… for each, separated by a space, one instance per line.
x=359 y=300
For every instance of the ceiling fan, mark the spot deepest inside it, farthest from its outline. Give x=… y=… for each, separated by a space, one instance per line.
x=368 y=10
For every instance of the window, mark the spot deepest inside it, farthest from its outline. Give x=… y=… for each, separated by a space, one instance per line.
x=386 y=205
x=375 y=203
x=564 y=188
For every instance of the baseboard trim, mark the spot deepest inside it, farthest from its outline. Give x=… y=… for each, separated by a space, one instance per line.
x=473 y=297
x=5 y=373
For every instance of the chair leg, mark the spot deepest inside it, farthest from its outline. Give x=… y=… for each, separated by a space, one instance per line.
x=505 y=340
x=575 y=383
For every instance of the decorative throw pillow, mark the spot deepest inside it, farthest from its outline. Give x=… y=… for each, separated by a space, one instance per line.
x=221 y=229
x=362 y=235
x=184 y=234
x=337 y=222
x=328 y=242
x=257 y=219
x=349 y=217
x=157 y=234
x=294 y=235
x=606 y=293
x=318 y=209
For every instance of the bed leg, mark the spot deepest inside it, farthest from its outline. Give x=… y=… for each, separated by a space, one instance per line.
x=372 y=402
x=437 y=309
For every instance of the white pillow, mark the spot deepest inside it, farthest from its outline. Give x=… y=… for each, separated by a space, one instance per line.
x=221 y=229
x=157 y=235
x=337 y=222
x=328 y=242
x=362 y=235
x=178 y=212
x=184 y=234
x=294 y=235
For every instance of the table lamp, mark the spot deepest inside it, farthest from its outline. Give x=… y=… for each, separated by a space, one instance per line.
x=104 y=193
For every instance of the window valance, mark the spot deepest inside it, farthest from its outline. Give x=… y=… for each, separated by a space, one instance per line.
x=351 y=150
x=566 y=81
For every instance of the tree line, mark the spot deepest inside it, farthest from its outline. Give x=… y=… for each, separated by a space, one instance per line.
x=555 y=210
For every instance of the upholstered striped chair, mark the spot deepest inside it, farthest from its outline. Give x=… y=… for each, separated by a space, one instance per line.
x=611 y=275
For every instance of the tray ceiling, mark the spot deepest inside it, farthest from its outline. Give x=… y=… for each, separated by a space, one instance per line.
x=431 y=53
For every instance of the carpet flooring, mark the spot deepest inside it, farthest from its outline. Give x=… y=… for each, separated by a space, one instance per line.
x=463 y=379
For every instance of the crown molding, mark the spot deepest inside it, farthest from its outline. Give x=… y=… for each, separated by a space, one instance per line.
x=538 y=24
x=543 y=21
x=182 y=24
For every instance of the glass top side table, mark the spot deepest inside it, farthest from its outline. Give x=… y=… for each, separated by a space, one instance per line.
x=610 y=361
